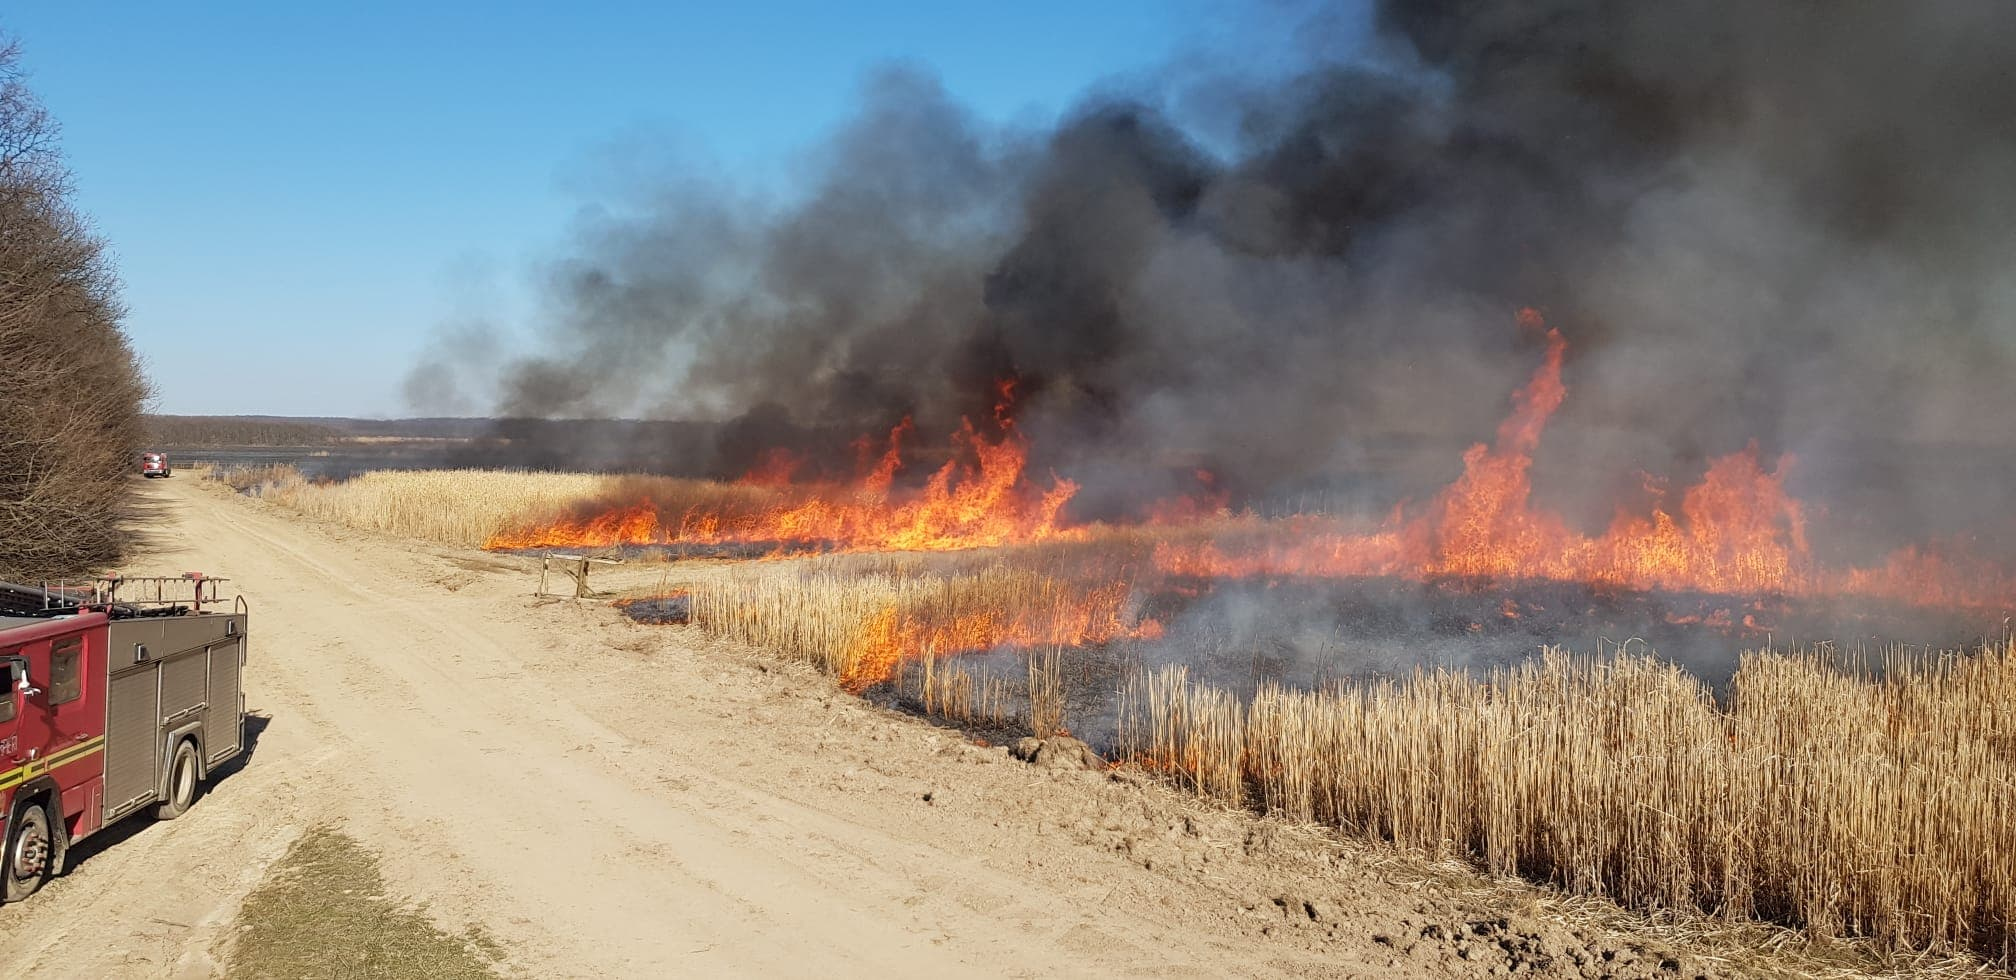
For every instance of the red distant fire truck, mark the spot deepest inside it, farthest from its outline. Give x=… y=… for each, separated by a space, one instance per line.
x=114 y=703
x=155 y=464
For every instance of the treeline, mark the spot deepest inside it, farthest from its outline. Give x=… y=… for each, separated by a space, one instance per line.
x=420 y=428
x=164 y=431
x=338 y=427
x=70 y=388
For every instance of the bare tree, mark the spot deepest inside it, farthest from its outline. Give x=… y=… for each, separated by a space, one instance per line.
x=70 y=388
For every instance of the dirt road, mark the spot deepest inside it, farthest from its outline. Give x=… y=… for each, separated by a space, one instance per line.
x=607 y=799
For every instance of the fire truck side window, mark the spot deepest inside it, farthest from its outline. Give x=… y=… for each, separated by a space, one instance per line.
x=7 y=697
x=66 y=671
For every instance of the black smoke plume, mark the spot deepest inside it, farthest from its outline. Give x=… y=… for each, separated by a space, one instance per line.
x=1788 y=222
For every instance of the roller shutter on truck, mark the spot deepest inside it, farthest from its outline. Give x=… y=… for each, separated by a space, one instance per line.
x=166 y=675
x=183 y=680
x=132 y=739
x=223 y=719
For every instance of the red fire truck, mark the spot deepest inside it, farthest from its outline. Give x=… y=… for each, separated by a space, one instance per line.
x=155 y=464
x=113 y=704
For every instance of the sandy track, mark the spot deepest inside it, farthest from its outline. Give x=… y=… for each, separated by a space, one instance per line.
x=606 y=799
x=477 y=755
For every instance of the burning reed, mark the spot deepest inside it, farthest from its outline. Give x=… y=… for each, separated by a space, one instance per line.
x=467 y=507
x=1822 y=797
x=860 y=619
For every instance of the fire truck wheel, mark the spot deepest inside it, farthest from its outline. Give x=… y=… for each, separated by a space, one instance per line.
x=28 y=850
x=181 y=783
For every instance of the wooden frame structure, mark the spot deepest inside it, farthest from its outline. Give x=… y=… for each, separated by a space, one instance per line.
x=574 y=567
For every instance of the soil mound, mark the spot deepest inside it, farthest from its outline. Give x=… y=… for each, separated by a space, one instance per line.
x=1060 y=752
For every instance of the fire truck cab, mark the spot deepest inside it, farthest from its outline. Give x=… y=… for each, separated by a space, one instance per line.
x=110 y=707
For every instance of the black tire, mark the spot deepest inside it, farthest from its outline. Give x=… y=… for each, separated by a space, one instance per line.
x=184 y=777
x=30 y=847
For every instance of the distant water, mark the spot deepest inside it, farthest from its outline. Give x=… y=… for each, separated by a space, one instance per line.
x=337 y=462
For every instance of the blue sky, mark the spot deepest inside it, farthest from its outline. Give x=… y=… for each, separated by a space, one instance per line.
x=297 y=194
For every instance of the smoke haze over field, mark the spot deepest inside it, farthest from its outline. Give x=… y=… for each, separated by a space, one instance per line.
x=1787 y=222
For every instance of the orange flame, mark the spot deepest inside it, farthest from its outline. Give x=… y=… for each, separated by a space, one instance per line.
x=1738 y=532
x=983 y=503
x=1210 y=500
x=1072 y=617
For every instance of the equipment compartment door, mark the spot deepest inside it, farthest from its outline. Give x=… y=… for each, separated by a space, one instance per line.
x=223 y=720
x=132 y=740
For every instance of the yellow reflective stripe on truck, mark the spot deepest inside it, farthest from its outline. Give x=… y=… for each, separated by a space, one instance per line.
x=21 y=774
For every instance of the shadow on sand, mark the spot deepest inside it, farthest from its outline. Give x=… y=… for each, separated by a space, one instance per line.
x=132 y=826
x=149 y=514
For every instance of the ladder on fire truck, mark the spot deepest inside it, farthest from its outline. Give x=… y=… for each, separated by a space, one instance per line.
x=118 y=595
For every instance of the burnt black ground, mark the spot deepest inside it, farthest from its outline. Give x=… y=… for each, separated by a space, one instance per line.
x=1309 y=634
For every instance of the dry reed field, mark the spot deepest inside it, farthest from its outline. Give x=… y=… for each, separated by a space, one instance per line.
x=1874 y=800
x=1868 y=801
x=463 y=507
x=863 y=618
x=1824 y=797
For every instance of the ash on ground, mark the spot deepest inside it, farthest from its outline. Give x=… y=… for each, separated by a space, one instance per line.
x=1318 y=634
x=675 y=609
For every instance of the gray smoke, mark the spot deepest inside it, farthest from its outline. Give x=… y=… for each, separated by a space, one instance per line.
x=1782 y=221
